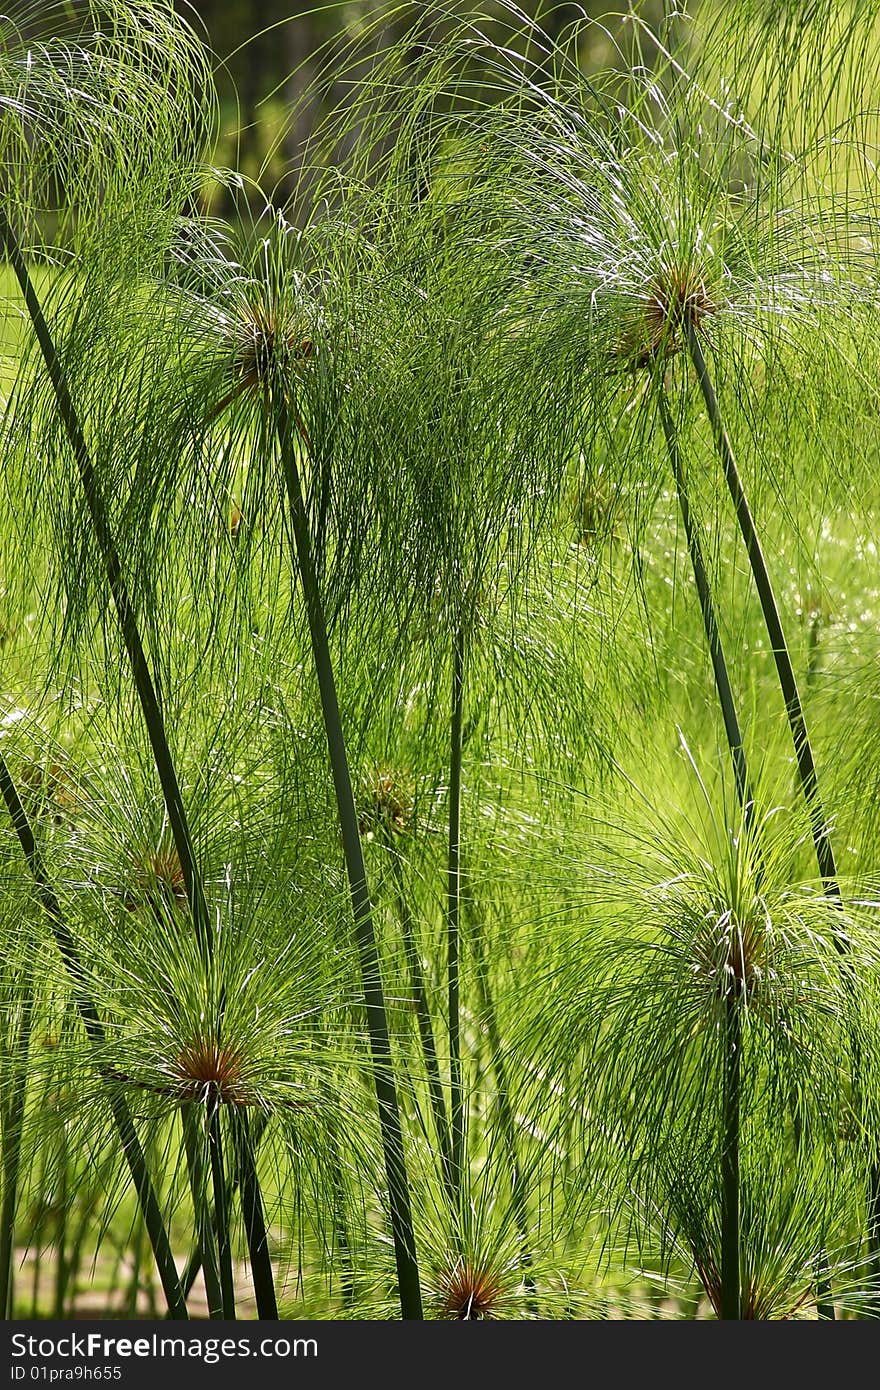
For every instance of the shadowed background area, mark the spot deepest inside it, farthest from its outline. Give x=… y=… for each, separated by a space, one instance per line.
x=278 y=68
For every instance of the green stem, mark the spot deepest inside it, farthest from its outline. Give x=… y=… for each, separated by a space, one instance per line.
x=400 y=1212
x=221 y=1212
x=731 y=1298
x=254 y=1219
x=518 y=1187
x=13 y=1123
x=130 y=1306
x=194 y=1263
x=824 y=1299
x=61 y=1260
x=191 y=1270
x=453 y=914
x=794 y=710
x=131 y=1147
x=793 y=707
x=423 y=1017
x=97 y=508
x=707 y=610
x=342 y=1239
x=192 y=1119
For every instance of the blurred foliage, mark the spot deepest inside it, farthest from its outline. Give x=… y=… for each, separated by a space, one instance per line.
x=274 y=57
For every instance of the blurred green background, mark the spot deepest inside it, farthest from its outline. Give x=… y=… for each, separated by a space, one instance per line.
x=274 y=56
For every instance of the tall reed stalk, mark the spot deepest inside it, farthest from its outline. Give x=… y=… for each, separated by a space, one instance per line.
x=129 y=627
x=720 y=670
x=254 y=1216
x=794 y=710
x=245 y=1141
x=731 y=1296
x=453 y=915
x=12 y=1121
x=803 y=756
x=423 y=1017
x=125 y=613
x=400 y=1211
x=209 y=1258
x=221 y=1209
x=131 y=1147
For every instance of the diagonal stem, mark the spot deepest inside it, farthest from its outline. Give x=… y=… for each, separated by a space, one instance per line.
x=707 y=609
x=453 y=914
x=731 y=1296
x=194 y=1263
x=131 y=1147
x=785 y=670
x=209 y=1260
x=128 y=624
x=423 y=1016
x=221 y=1210
x=794 y=710
x=254 y=1218
x=400 y=1211
x=12 y=1126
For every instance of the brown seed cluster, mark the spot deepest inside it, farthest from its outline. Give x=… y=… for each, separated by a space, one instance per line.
x=158 y=879
x=468 y=1292
x=49 y=790
x=733 y=956
x=594 y=511
x=265 y=344
x=211 y=1072
x=677 y=297
x=204 y=1071
x=757 y=1304
x=387 y=804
